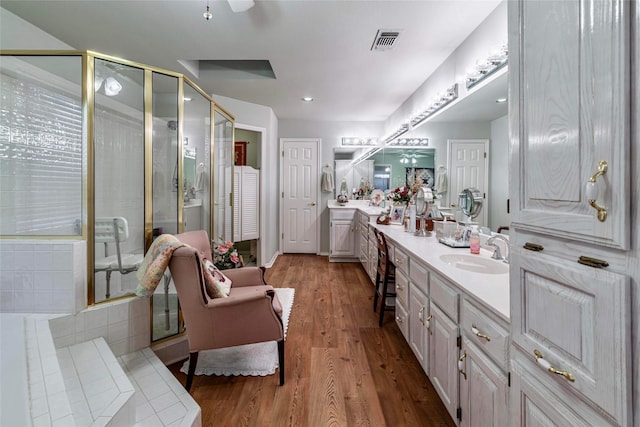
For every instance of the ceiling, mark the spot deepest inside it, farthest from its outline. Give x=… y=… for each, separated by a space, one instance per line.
x=317 y=48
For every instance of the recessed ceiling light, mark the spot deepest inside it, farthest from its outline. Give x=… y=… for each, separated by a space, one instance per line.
x=501 y=100
x=307 y=99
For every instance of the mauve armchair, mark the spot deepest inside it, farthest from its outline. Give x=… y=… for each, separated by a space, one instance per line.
x=250 y=314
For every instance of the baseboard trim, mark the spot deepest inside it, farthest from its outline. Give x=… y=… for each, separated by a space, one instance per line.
x=272 y=260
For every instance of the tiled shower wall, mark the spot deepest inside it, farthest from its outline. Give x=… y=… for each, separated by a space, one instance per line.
x=50 y=277
x=42 y=276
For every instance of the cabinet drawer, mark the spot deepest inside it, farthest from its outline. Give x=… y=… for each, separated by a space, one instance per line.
x=485 y=333
x=400 y=260
x=419 y=275
x=574 y=321
x=445 y=296
x=402 y=319
x=342 y=214
x=402 y=288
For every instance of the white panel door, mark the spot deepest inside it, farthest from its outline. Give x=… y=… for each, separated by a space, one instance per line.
x=300 y=195
x=468 y=169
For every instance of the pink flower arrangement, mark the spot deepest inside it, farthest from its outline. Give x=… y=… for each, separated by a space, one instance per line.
x=225 y=255
x=400 y=195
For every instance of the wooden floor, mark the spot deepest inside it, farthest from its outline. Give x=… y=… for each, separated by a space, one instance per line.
x=341 y=368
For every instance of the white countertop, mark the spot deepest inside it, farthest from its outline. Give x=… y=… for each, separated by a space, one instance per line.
x=361 y=205
x=492 y=289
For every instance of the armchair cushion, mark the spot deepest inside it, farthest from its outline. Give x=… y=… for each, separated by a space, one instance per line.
x=217 y=284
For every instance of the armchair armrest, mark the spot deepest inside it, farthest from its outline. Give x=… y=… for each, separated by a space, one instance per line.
x=240 y=299
x=246 y=276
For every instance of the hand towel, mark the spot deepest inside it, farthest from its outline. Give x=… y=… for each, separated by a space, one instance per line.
x=441 y=182
x=327 y=181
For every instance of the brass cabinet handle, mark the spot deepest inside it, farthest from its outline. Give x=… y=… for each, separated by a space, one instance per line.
x=461 y=365
x=420 y=314
x=533 y=247
x=477 y=333
x=591 y=191
x=427 y=323
x=546 y=365
x=399 y=319
x=398 y=261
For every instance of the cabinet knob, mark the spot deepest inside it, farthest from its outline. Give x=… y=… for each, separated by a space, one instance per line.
x=546 y=365
x=592 y=191
x=399 y=319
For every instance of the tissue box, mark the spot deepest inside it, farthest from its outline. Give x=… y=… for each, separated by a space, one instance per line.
x=444 y=228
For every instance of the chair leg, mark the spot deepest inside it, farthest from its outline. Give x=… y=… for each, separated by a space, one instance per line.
x=193 y=361
x=383 y=296
x=281 y=360
x=376 y=294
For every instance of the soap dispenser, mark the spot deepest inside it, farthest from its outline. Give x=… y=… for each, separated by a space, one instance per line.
x=474 y=240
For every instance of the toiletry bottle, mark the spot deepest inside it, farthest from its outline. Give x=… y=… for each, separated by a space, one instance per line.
x=474 y=241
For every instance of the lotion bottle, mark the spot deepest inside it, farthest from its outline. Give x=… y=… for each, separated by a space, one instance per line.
x=474 y=241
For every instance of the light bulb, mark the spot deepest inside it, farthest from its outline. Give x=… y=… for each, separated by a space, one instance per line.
x=207 y=14
x=112 y=87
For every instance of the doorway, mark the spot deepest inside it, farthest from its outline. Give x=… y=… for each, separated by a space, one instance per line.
x=299 y=180
x=248 y=145
x=467 y=160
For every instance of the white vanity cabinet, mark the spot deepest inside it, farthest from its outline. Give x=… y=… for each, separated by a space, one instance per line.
x=342 y=240
x=362 y=239
x=482 y=366
x=569 y=113
x=419 y=312
x=443 y=342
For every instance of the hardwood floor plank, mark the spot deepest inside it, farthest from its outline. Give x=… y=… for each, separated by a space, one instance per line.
x=341 y=368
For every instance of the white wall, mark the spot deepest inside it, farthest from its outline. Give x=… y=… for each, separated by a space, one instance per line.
x=331 y=134
x=16 y=34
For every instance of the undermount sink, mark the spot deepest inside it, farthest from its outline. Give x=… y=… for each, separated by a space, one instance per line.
x=475 y=263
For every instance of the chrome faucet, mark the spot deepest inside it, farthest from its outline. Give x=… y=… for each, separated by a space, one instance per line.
x=496 y=253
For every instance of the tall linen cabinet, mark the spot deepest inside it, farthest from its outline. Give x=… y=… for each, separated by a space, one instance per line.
x=574 y=192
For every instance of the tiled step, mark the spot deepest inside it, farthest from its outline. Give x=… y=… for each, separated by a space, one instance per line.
x=160 y=399
x=86 y=385
x=97 y=387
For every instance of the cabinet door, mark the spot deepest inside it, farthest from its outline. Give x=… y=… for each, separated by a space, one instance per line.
x=443 y=358
x=483 y=389
x=574 y=319
x=418 y=324
x=342 y=238
x=569 y=110
x=534 y=402
x=249 y=197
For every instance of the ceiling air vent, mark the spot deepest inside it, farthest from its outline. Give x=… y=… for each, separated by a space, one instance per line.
x=385 y=39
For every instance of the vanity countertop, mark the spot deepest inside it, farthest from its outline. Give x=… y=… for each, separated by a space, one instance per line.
x=361 y=205
x=492 y=289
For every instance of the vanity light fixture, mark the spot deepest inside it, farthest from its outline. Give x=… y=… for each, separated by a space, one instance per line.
x=484 y=68
x=439 y=102
x=400 y=131
x=359 y=142
x=307 y=99
x=410 y=142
